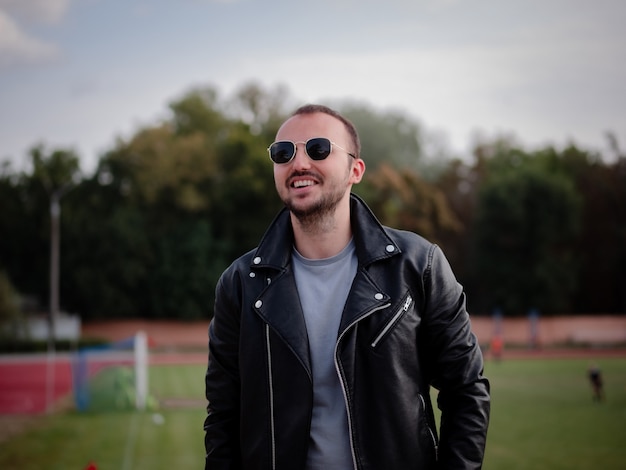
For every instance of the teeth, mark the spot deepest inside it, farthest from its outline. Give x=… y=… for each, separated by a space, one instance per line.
x=302 y=183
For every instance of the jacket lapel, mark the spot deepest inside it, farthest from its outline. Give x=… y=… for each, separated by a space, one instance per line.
x=279 y=306
x=365 y=297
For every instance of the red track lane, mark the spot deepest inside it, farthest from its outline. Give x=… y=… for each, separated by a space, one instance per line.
x=23 y=383
x=24 y=378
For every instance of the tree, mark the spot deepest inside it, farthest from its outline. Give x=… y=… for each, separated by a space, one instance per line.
x=390 y=136
x=149 y=233
x=527 y=223
x=166 y=211
x=10 y=315
x=402 y=199
x=14 y=228
x=461 y=182
x=601 y=247
x=261 y=110
x=27 y=226
x=197 y=112
x=56 y=170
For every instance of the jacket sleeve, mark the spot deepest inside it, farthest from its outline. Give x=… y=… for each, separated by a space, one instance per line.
x=222 y=383
x=455 y=369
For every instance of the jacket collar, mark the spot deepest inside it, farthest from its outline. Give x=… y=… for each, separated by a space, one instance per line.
x=371 y=239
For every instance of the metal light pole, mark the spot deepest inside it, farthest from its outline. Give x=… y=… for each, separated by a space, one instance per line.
x=56 y=172
x=55 y=214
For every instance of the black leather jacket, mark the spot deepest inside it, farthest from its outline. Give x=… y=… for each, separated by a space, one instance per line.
x=404 y=328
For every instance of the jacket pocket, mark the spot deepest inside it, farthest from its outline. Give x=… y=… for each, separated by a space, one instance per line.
x=431 y=437
x=405 y=306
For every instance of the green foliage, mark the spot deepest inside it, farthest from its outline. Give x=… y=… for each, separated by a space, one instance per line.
x=602 y=242
x=56 y=169
x=262 y=110
x=244 y=192
x=404 y=200
x=165 y=213
x=188 y=263
x=10 y=315
x=389 y=137
x=148 y=234
x=25 y=201
x=109 y=260
x=527 y=221
x=197 y=112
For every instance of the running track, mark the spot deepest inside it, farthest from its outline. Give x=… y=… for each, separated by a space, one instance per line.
x=23 y=382
x=24 y=379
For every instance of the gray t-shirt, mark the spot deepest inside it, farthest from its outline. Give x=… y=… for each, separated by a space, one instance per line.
x=323 y=286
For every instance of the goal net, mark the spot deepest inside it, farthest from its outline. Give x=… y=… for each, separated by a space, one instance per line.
x=112 y=376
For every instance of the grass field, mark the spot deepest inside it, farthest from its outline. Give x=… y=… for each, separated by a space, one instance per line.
x=543 y=417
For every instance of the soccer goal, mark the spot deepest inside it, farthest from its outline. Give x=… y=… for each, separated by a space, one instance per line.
x=112 y=376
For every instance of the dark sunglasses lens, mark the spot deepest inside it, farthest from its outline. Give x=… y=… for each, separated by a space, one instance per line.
x=318 y=148
x=282 y=152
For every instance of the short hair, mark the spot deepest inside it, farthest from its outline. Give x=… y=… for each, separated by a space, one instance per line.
x=319 y=108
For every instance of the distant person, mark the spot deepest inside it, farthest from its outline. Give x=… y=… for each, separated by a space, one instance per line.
x=595 y=377
x=497 y=347
x=327 y=337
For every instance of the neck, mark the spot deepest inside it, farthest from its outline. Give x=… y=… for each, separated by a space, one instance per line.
x=323 y=236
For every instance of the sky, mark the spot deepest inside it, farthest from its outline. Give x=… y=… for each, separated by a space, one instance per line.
x=81 y=74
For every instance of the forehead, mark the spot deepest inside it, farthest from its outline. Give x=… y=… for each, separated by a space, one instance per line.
x=302 y=127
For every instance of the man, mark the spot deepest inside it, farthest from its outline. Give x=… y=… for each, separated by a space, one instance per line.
x=327 y=337
x=595 y=377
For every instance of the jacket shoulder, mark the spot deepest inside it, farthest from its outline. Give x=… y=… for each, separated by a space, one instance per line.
x=412 y=245
x=238 y=266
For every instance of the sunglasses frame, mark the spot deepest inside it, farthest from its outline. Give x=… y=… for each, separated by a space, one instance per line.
x=295 y=149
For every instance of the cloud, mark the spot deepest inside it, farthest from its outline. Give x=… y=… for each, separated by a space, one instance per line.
x=35 y=11
x=18 y=47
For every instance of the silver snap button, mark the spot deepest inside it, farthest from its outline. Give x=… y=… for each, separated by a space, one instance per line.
x=390 y=248
x=258 y=304
x=252 y=274
x=257 y=260
x=379 y=296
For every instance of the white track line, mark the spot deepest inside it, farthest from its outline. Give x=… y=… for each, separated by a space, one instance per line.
x=127 y=464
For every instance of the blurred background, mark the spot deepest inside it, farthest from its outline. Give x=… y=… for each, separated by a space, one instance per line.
x=133 y=137
x=133 y=140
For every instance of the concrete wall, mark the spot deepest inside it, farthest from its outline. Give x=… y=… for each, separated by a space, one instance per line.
x=594 y=330
x=66 y=327
x=560 y=330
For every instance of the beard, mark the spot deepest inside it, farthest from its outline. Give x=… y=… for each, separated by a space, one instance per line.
x=318 y=215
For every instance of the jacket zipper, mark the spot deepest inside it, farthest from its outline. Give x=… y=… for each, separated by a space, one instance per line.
x=392 y=322
x=271 y=392
x=341 y=381
x=430 y=431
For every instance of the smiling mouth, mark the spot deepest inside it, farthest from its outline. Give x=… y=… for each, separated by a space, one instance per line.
x=302 y=183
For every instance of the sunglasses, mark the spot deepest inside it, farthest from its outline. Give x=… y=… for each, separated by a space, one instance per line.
x=317 y=148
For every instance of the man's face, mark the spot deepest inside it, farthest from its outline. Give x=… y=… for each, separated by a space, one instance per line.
x=311 y=188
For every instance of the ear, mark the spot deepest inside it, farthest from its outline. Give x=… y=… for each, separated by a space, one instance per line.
x=357 y=171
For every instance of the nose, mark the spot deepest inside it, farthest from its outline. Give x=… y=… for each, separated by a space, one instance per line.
x=301 y=159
